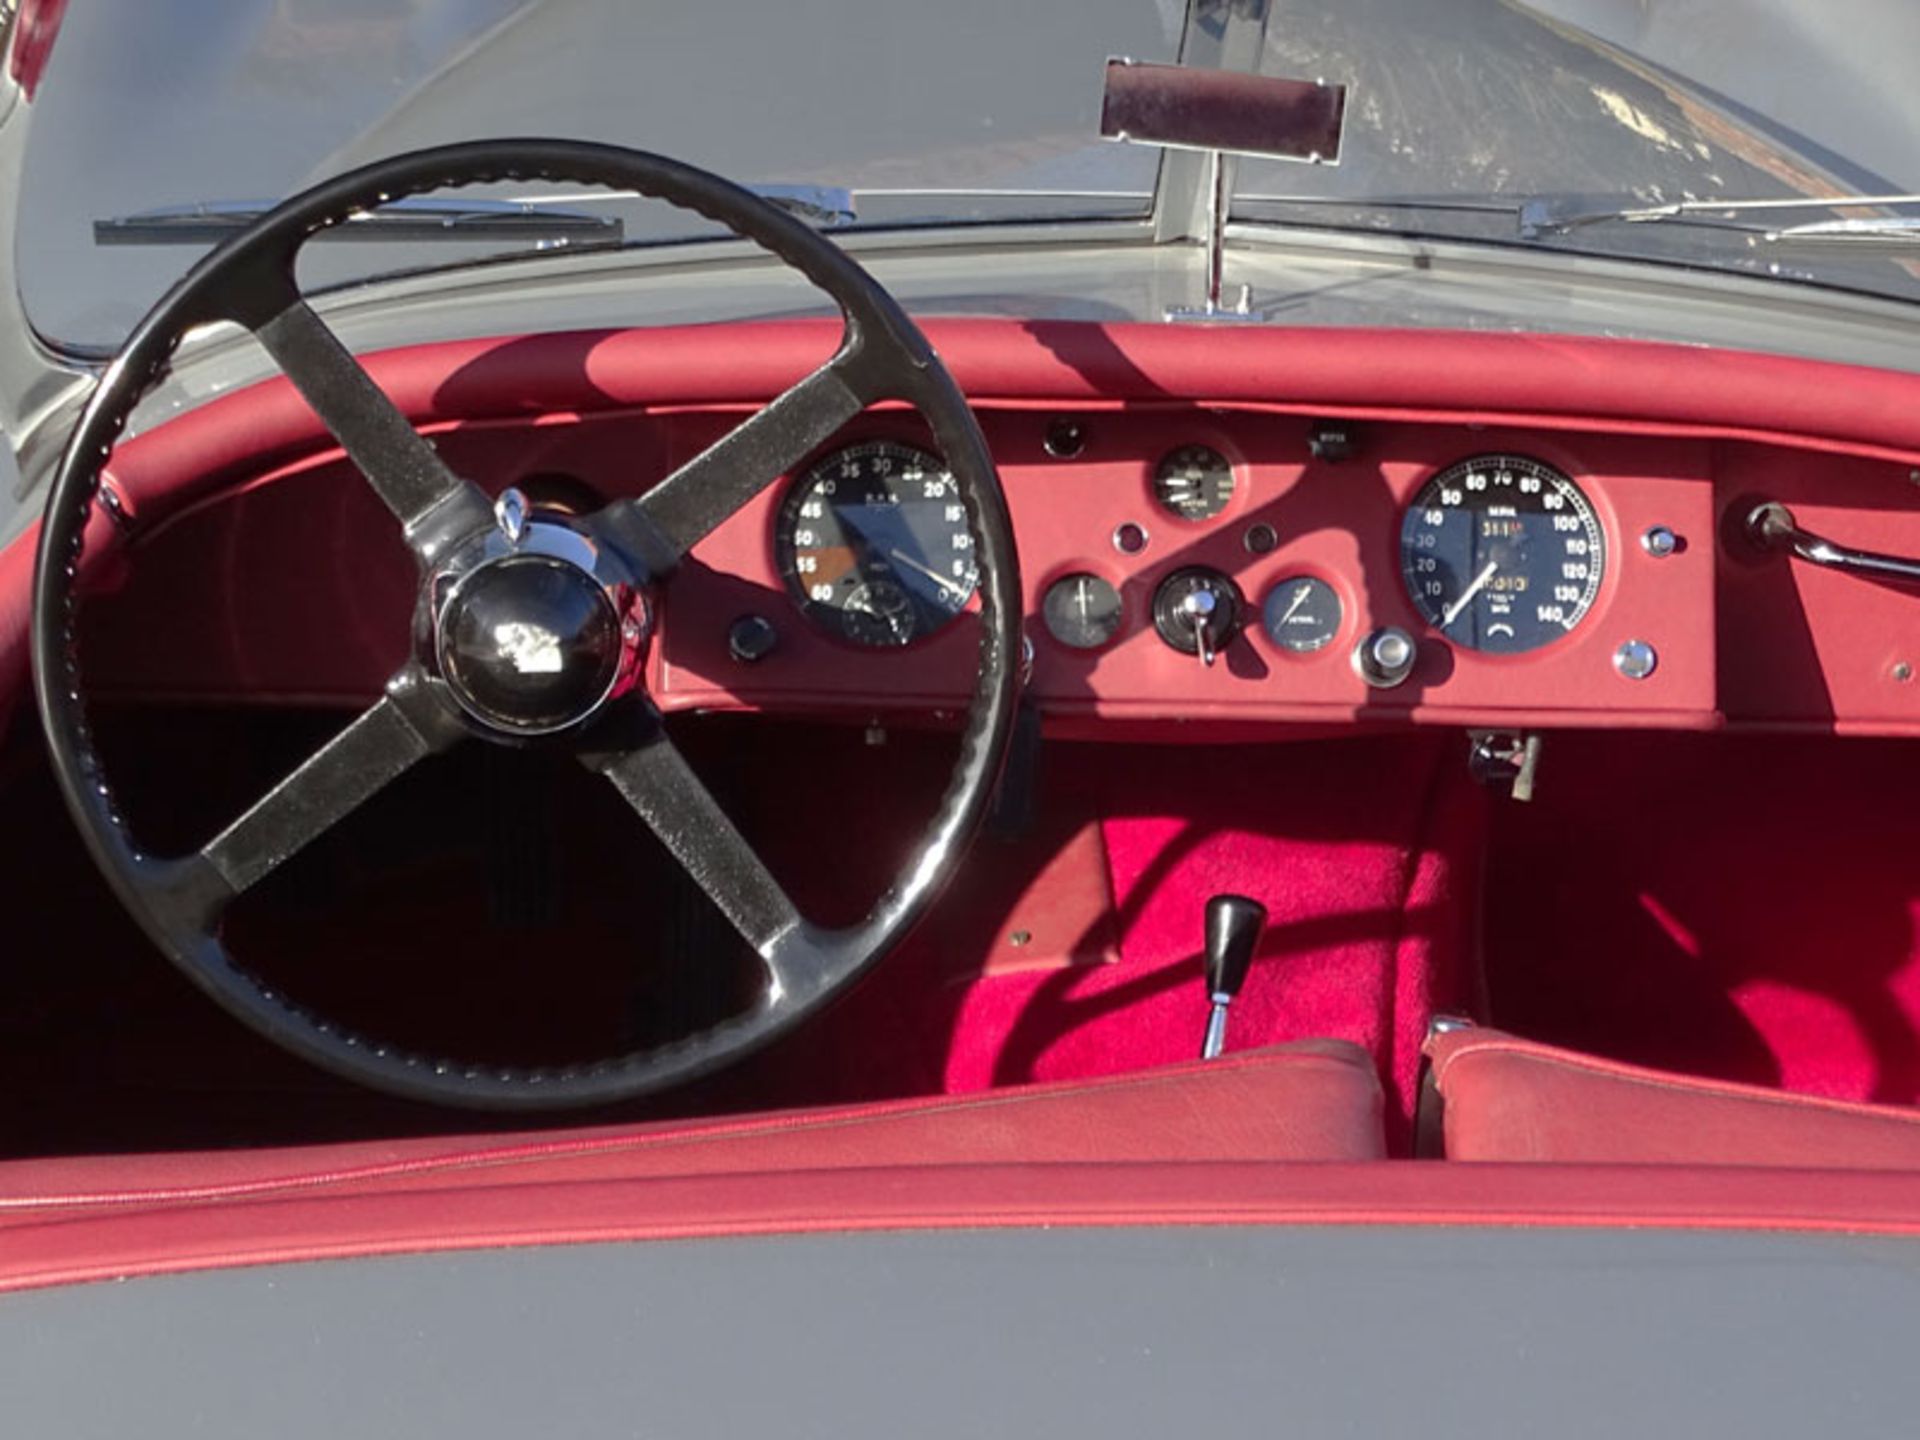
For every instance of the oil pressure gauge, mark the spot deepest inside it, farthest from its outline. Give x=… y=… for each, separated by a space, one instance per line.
x=1194 y=482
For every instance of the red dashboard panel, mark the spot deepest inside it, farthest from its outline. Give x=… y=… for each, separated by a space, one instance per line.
x=1653 y=435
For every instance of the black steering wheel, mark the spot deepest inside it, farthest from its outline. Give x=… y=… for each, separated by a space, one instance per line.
x=530 y=628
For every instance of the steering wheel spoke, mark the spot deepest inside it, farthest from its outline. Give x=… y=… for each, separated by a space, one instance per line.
x=655 y=779
x=661 y=526
x=434 y=506
x=404 y=727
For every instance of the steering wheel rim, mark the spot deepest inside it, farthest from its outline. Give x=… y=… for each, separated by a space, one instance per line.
x=249 y=280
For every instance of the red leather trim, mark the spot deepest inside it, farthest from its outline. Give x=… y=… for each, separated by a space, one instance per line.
x=1311 y=1100
x=1513 y=1100
x=121 y=1244
x=1628 y=386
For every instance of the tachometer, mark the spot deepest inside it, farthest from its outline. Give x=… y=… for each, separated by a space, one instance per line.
x=1502 y=553
x=874 y=545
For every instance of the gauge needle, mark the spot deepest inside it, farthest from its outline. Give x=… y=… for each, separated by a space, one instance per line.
x=928 y=571
x=1299 y=599
x=1479 y=583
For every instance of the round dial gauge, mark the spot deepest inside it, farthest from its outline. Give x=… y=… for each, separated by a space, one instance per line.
x=874 y=545
x=1502 y=553
x=1302 y=614
x=1082 y=611
x=1194 y=482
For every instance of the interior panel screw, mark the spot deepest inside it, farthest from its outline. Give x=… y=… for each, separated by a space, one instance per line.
x=1902 y=671
x=1019 y=938
x=1660 y=542
x=1636 y=659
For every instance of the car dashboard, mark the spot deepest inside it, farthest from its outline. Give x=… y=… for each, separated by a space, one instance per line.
x=1219 y=530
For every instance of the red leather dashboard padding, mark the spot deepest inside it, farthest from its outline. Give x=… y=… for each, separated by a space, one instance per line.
x=1311 y=1100
x=1511 y=1099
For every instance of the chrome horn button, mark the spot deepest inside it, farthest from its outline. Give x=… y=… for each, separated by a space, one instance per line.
x=529 y=644
x=532 y=625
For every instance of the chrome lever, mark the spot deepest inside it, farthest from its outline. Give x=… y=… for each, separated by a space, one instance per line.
x=1771 y=526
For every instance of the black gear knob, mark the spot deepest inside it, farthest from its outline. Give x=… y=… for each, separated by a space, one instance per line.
x=1234 y=924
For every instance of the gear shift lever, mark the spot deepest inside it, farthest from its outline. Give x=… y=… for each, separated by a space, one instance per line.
x=1234 y=924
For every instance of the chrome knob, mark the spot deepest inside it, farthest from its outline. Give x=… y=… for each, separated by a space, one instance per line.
x=1385 y=657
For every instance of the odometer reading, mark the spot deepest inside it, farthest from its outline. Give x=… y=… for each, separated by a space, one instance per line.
x=874 y=545
x=1502 y=553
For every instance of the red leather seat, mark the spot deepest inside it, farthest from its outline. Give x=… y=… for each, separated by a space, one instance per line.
x=1313 y=1100
x=1510 y=1099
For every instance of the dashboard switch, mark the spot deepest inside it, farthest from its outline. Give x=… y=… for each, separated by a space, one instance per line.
x=1385 y=657
x=751 y=638
x=1197 y=611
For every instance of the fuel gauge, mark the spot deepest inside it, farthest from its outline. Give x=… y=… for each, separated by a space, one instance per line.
x=1302 y=614
x=1082 y=611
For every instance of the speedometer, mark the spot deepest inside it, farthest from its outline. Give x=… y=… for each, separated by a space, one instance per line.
x=874 y=545
x=1502 y=553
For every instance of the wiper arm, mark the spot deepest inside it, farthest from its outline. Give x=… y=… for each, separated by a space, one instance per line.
x=824 y=205
x=1894 y=232
x=419 y=218
x=1561 y=217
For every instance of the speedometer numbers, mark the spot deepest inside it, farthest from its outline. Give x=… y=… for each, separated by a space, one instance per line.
x=874 y=545
x=1502 y=553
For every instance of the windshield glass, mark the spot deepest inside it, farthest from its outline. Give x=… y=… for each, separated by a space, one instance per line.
x=1460 y=112
x=1483 y=120
x=984 y=104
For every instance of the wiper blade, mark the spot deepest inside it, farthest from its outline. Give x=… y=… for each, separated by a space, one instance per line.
x=1562 y=216
x=419 y=218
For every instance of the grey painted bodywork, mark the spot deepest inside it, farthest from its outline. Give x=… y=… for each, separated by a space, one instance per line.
x=1301 y=1333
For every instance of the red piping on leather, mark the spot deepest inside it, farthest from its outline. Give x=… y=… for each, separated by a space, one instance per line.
x=123 y=1244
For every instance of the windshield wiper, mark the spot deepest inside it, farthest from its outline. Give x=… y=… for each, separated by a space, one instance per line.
x=547 y=220
x=1541 y=218
x=210 y=222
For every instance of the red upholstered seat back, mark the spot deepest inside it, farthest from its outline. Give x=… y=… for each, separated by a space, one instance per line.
x=1314 y=1100
x=1510 y=1099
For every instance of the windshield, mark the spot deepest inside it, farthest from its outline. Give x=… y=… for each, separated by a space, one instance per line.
x=981 y=103
x=1460 y=112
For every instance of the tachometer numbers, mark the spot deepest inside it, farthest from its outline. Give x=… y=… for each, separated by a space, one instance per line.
x=874 y=545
